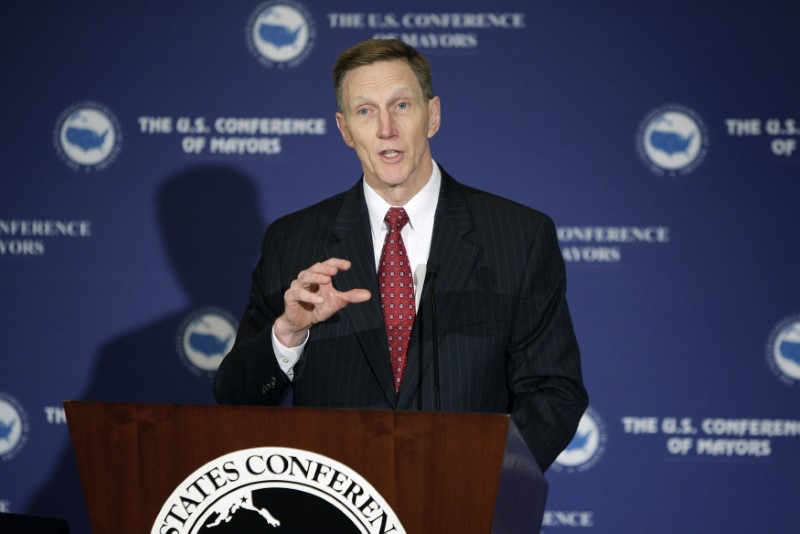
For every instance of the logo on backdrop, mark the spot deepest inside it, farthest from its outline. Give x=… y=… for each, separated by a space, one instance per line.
x=280 y=33
x=87 y=137
x=276 y=489
x=205 y=337
x=783 y=350
x=672 y=140
x=13 y=427
x=586 y=447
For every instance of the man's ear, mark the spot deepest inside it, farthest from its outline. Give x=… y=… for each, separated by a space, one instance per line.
x=434 y=116
x=341 y=123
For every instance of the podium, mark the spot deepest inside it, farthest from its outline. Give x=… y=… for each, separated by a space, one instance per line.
x=438 y=472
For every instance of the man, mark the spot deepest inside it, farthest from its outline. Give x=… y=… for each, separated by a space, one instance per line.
x=318 y=322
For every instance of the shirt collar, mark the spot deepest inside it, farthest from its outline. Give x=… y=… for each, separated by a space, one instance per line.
x=421 y=209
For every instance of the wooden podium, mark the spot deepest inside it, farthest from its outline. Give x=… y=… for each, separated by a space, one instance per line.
x=439 y=472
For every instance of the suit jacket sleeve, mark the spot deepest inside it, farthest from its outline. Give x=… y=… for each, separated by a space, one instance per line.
x=544 y=374
x=250 y=373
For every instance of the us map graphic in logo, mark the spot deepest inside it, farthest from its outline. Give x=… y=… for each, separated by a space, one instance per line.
x=13 y=427
x=87 y=137
x=275 y=489
x=205 y=337
x=672 y=140
x=586 y=447
x=280 y=33
x=783 y=350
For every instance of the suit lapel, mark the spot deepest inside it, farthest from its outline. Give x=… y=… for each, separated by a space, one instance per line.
x=354 y=242
x=456 y=255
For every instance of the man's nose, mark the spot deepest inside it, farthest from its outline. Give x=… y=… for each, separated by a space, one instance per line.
x=386 y=126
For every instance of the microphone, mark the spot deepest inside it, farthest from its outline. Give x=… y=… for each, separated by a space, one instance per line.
x=431 y=271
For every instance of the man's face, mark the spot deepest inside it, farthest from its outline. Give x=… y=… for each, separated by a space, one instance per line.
x=388 y=122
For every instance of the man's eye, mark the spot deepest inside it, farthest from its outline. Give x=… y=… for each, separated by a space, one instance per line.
x=403 y=105
x=363 y=112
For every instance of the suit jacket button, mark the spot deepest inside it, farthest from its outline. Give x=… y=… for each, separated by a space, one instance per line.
x=269 y=386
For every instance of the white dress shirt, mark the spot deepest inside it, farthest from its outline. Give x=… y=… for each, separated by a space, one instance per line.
x=417 y=236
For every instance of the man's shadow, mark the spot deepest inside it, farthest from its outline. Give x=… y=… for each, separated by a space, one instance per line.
x=211 y=227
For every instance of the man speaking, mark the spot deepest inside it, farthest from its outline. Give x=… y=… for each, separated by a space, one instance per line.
x=410 y=290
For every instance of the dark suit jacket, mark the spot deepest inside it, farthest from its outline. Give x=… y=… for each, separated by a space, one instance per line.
x=506 y=341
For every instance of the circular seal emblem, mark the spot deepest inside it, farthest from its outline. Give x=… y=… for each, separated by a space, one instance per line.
x=672 y=140
x=204 y=337
x=280 y=33
x=87 y=137
x=275 y=489
x=586 y=447
x=783 y=350
x=13 y=427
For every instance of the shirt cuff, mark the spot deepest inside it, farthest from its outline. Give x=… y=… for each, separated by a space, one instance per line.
x=287 y=356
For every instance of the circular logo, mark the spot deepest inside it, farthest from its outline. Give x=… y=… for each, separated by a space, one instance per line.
x=586 y=447
x=87 y=137
x=276 y=489
x=783 y=350
x=205 y=337
x=13 y=427
x=280 y=33
x=672 y=140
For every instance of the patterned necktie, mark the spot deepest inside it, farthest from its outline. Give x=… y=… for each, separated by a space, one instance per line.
x=397 y=292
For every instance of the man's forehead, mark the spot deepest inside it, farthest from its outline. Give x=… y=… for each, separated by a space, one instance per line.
x=396 y=73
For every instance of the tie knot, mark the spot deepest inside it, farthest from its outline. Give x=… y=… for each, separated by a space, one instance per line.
x=396 y=218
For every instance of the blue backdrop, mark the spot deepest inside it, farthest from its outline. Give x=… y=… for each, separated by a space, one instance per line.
x=146 y=145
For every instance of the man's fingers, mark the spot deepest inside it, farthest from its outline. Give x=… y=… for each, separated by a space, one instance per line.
x=356 y=295
x=308 y=278
x=329 y=267
x=313 y=286
x=338 y=263
x=322 y=272
x=301 y=294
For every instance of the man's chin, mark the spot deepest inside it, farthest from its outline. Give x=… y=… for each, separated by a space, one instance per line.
x=388 y=179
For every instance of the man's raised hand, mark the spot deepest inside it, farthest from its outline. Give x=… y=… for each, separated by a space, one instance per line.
x=311 y=299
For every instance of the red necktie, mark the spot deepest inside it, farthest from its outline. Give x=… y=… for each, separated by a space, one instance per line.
x=397 y=292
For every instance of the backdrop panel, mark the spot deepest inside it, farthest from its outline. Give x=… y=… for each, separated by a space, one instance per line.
x=146 y=145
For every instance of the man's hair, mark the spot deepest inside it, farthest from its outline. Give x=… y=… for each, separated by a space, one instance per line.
x=375 y=50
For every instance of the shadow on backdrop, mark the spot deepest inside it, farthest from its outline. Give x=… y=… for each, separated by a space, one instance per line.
x=211 y=229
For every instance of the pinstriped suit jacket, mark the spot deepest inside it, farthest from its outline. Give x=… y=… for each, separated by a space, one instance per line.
x=506 y=342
